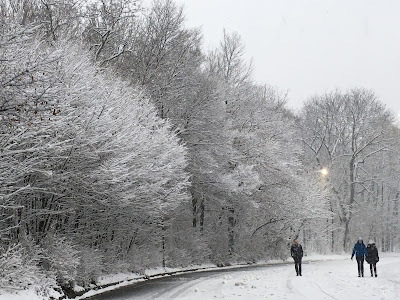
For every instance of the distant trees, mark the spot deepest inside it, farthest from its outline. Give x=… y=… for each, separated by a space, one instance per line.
x=260 y=163
x=105 y=27
x=347 y=133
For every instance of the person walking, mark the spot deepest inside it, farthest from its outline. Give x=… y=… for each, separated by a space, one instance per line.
x=372 y=257
x=360 y=251
x=296 y=251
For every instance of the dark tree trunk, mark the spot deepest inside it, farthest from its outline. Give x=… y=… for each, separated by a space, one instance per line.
x=231 y=223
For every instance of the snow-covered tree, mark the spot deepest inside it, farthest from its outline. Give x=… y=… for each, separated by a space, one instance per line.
x=82 y=153
x=345 y=132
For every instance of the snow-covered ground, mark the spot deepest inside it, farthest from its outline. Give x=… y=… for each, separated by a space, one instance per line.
x=324 y=277
x=334 y=279
x=31 y=294
x=126 y=279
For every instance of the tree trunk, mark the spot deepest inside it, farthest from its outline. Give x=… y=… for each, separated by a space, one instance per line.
x=194 y=210
x=201 y=221
x=163 y=243
x=396 y=219
x=351 y=201
x=231 y=224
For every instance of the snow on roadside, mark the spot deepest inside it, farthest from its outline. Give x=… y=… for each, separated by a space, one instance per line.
x=113 y=278
x=20 y=295
x=24 y=295
x=152 y=272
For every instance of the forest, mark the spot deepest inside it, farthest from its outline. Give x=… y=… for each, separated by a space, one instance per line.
x=126 y=146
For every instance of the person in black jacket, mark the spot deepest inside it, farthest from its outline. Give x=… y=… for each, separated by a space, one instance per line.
x=372 y=257
x=296 y=251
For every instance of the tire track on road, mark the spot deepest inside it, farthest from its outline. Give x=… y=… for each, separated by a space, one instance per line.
x=188 y=286
x=322 y=290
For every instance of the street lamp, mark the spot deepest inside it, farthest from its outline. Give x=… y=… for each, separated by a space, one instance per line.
x=324 y=171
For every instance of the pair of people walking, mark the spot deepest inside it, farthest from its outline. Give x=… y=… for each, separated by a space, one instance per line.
x=370 y=253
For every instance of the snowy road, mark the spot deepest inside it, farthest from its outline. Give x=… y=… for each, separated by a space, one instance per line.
x=336 y=279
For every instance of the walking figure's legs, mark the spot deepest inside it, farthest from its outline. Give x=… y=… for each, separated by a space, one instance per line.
x=362 y=267
x=300 y=267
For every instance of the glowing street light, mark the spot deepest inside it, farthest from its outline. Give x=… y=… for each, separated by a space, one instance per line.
x=324 y=171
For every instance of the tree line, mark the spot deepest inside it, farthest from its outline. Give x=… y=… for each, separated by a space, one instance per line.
x=125 y=146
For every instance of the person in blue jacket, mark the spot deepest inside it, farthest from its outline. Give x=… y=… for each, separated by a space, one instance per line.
x=360 y=251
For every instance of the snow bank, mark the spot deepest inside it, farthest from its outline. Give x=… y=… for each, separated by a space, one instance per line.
x=113 y=278
x=25 y=295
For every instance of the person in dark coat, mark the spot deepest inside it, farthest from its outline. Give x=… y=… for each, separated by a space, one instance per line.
x=372 y=257
x=296 y=251
x=360 y=251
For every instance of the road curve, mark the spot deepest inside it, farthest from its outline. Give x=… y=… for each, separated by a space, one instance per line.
x=173 y=287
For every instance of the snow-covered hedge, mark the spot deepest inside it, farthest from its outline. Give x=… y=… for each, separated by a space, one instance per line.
x=20 y=269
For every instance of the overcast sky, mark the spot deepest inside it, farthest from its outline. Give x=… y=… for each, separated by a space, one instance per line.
x=311 y=46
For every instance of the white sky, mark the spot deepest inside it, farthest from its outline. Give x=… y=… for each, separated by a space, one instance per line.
x=311 y=46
